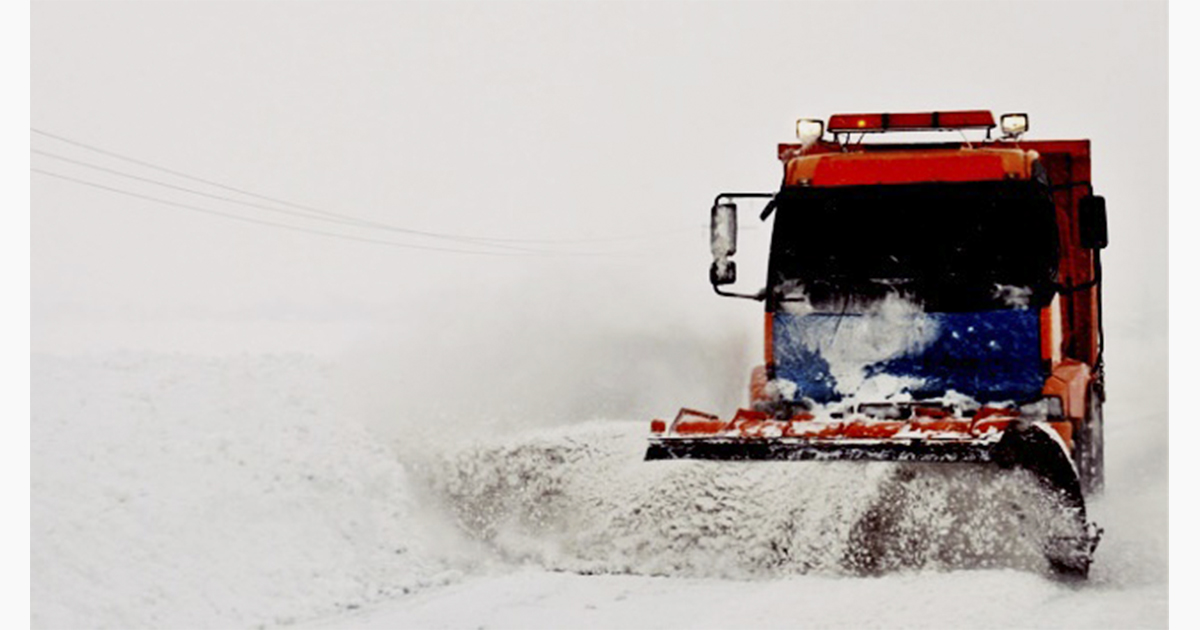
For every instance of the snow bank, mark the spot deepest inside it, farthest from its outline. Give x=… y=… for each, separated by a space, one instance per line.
x=178 y=491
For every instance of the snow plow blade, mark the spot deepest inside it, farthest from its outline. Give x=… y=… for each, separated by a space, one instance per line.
x=908 y=432
x=802 y=450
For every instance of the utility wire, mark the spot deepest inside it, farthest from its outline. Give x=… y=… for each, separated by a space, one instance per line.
x=326 y=213
x=336 y=235
x=304 y=215
x=275 y=224
x=307 y=209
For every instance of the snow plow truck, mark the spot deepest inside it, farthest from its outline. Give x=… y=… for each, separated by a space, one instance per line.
x=927 y=302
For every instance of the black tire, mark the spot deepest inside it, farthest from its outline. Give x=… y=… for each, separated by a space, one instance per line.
x=1089 y=444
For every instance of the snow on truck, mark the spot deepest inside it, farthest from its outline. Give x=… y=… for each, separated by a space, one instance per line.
x=925 y=302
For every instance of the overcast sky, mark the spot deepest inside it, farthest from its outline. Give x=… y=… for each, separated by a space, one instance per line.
x=553 y=121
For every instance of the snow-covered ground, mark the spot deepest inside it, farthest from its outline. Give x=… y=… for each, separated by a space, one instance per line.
x=180 y=491
x=208 y=490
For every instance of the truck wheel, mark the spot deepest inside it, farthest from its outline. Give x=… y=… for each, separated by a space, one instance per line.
x=1089 y=445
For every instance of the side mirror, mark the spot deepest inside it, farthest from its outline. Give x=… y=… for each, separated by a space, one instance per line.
x=1093 y=222
x=724 y=230
x=723 y=241
x=722 y=272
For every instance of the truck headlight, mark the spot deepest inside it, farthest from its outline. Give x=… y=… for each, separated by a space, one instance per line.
x=1013 y=125
x=809 y=129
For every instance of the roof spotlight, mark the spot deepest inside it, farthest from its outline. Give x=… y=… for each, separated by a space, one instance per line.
x=809 y=129
x=1013 y=125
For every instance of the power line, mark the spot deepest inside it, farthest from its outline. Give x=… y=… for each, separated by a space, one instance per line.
x=273 y=223
x=326 y=213
x=349 y=222
x=308 y=209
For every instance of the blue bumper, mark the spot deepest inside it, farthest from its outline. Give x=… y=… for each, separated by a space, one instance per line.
x=989 y=355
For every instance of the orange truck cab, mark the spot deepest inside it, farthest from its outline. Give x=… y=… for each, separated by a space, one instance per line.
x=921 y=300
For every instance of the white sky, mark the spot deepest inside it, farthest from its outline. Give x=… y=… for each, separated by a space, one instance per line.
x=546 y=120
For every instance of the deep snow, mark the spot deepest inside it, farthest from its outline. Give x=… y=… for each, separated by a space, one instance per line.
x=183 y=491
x=175 y=490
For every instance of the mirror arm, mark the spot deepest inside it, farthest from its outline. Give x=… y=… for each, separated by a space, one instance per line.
x=768 y=209
x=758 y=297
x=733 y=195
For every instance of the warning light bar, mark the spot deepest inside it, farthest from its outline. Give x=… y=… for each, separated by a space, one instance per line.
x=924 y=121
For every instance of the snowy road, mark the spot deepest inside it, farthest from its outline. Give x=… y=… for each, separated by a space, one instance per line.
x=986 y=599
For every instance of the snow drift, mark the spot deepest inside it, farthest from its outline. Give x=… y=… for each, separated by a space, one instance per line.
x=179 y=491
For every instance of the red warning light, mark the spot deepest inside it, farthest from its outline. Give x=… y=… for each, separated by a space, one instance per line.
x=969 y=119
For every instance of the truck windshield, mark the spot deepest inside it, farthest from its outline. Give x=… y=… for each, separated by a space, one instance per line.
x=968 y=246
